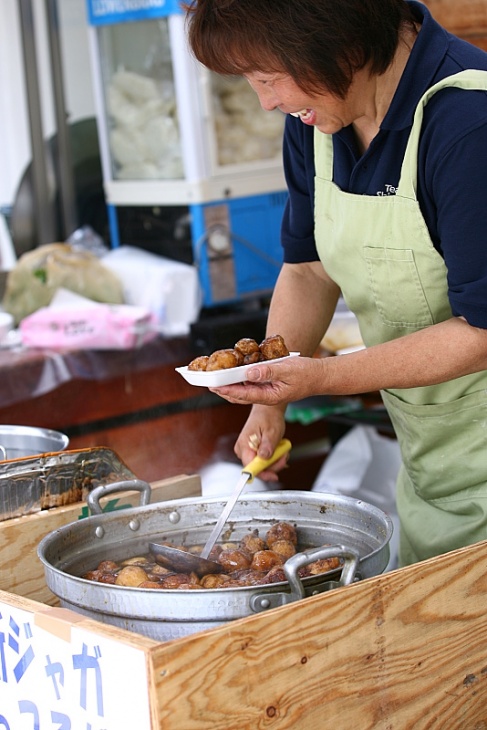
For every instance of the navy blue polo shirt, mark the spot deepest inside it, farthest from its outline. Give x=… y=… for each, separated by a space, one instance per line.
x=452 y=165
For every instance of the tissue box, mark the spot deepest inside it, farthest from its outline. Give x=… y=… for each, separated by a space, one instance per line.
x=95 y=327
x=169 y=289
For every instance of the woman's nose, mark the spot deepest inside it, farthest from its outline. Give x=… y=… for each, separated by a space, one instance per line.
x=267 y=100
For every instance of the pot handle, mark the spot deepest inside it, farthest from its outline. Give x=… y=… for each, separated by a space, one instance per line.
x=264 y=601
x=137 y=485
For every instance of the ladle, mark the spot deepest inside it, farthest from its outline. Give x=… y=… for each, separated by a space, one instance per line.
x=185 y=562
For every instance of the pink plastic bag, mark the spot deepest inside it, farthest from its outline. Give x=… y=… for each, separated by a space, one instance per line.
x=97 y=327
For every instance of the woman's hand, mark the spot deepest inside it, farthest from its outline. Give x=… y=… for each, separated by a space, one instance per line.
x=278 y=384
x=260 y=435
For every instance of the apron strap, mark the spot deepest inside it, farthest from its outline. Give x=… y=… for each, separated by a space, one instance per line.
x=472 y=79
x=323 y=153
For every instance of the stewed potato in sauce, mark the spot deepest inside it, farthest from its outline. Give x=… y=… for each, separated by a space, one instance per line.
x=251 y=561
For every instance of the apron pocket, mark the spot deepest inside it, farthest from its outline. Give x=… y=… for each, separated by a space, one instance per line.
x=443 y=446
x=396 y=286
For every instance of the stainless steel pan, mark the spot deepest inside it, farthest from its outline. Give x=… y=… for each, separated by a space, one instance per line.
x=356 y=531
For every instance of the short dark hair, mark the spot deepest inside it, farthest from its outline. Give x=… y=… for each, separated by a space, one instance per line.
x=319 y=43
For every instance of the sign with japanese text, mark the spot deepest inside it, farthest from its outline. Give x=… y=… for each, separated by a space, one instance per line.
x=103 y=12
x=71 y=679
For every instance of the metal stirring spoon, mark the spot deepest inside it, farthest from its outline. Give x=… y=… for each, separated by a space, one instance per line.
x=185 y=562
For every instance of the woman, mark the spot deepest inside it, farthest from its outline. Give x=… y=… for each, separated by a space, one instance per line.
x=384 y=109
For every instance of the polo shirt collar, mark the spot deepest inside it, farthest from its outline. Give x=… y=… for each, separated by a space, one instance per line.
x=427 y=56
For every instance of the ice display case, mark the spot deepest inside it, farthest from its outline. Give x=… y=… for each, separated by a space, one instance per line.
x=173 y=134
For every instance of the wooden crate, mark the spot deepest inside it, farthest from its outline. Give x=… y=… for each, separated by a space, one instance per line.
x=404 y=650
x=21 y=571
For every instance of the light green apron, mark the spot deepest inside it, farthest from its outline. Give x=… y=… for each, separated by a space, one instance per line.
x=378 y=250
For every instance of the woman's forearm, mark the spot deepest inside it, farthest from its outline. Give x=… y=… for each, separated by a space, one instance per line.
x=433 y=355
x=302 y=326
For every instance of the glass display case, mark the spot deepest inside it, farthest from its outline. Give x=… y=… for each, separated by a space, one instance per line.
x=173 y=133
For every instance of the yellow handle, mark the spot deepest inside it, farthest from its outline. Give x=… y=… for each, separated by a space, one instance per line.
x=258 y=464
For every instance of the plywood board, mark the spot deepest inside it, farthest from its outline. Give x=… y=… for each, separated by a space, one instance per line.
x=21 y=570
x=404 y=650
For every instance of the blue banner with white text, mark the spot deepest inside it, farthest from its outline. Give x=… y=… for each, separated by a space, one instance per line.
x=107 y=12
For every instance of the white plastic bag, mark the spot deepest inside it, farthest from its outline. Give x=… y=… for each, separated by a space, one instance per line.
x=169 y=289
x=364 y=465
x=219 y=480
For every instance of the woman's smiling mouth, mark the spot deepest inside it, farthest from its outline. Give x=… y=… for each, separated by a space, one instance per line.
x=307 y=116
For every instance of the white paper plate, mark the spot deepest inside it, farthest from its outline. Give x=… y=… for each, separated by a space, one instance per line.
x=348 y=350
x=214 y=378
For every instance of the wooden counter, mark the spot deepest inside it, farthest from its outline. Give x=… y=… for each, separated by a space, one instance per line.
x=402 y=651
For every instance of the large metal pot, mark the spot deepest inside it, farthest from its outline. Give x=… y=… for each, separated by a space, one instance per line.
x=358 y=532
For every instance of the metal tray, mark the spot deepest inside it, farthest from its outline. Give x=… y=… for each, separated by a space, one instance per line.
x=32 y=484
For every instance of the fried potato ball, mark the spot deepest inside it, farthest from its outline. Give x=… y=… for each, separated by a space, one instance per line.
x=199 y=363
x=247 y=346
x=224 y=359
x=273 y=347
x=131 y=575
x=281 y=531
x=319 y=566
x=214 y=553
x=237 y=559
x=159 y=570
x=247 y=577
x=109 y=578
x=252 y=543
x=252 y=358
x=154 y=577
x=108 y=566
x=175 y=580
x=214 y=580
x=285 y=548
x=106 y=572
x=94 y=575
x=137 y=560
x=264 y=560
x=275 y=575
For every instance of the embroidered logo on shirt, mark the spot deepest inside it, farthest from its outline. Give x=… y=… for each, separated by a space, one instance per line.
x=388 y=190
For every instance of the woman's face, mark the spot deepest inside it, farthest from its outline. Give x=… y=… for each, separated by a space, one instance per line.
x=325 y=111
